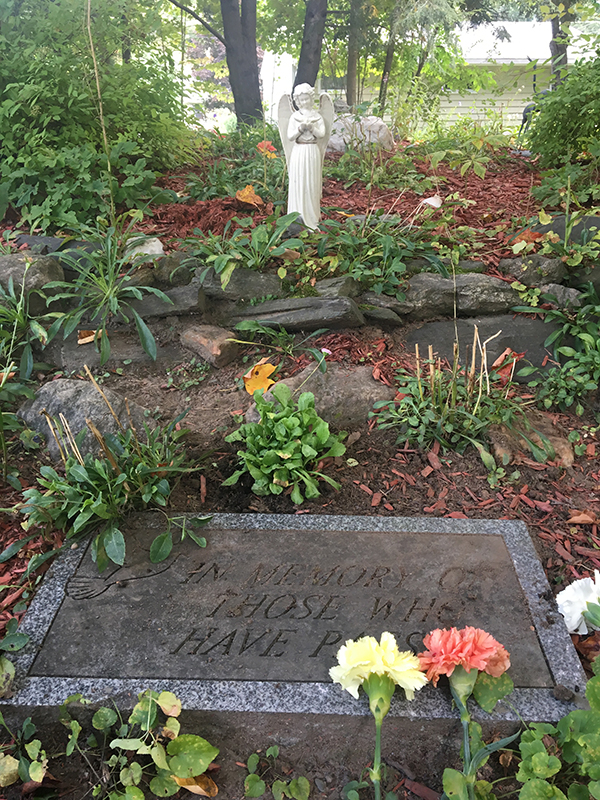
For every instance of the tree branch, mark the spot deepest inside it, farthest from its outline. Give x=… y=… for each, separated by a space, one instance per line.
x=197 y=17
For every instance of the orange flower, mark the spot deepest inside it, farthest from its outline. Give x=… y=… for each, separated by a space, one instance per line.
x=470 y=648
x=265 y=148
x=258 y=377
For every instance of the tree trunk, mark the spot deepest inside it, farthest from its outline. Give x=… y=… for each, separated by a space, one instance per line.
x=240 y=43
x=385 y=75
x=353 y=51
x=312 y=42
x=558 y=50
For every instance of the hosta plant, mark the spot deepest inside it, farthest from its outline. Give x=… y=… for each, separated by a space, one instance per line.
x=284 y=448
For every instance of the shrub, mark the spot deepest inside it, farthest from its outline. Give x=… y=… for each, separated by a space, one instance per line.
x=568 y=116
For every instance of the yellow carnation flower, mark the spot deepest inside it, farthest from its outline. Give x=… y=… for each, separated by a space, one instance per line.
x=358 y=660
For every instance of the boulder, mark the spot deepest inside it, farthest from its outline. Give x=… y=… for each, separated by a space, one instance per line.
x=481 y=294
x=564 y=296
x=520 y=333
x=211 y=343
x=343 y=397
x=584 y=229
x=304 y=313
x=534 y=269
x=245 y=284
x=176 y=269
x=382 y=317
x=348 y=131
x=42 y=270
x=78 y=401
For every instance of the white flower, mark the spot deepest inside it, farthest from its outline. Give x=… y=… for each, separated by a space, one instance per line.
x=573 y=600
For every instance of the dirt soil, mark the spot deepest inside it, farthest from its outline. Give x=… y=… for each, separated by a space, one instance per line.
x=558 y=504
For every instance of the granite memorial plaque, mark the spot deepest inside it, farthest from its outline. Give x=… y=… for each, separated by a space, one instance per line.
x=262 y=610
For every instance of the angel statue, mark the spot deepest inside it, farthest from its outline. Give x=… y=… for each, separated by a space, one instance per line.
x=305 y=134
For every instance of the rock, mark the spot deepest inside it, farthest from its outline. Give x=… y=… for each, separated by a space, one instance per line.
x=78 y=400
x=43 y=269
x=304 y=313
x=189 y=299
x=471 y=266
x=384 y=317
x=518 y=332
x=343 y=397
x=344 y=286
x=564 y=296
x=481 y=294
x=146 y=250
x=584 y=229
x=245 y=284
x=349 y=131
x=509 y=445
x=211 y=343
x=533 y=269
x=428 y=296
x=39 y=244
x=176 y=269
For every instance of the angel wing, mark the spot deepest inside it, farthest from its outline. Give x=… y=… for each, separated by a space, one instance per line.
x=284 y=112
x=327 y=112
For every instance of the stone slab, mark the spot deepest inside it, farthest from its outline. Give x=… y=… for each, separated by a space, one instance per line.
x=252 y=623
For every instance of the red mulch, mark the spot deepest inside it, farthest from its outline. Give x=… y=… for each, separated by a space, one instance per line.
x=492 y=201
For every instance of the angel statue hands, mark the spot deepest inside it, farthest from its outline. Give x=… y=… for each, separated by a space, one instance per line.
x=305 y=134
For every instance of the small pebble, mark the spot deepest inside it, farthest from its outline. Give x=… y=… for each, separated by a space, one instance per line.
x=320 y=784
x=563 y=693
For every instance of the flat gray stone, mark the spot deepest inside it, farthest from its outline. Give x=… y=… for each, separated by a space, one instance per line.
x=78 y=401
x=124 y=346
x=534 y=269
x=344 y=286
x=304 y=313
x=187 y=299
x=43 y=269
x=520 y=333
x=252 y=622
x=245 y=284
x=176 y=269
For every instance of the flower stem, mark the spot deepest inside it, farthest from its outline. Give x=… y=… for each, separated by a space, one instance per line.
x=376 y=771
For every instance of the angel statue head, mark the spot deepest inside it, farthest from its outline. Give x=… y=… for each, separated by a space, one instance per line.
x=304 y=133
x=304 y=95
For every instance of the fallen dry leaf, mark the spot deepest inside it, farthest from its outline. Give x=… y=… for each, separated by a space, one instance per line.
x=583 y=518
x=201 y=784
x=248 y=197
x=87 y=337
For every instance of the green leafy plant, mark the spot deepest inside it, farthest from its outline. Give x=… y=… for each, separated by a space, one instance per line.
x=282 y=341
x=24 y=758
x=561 y=761
x=456 y=408
x=97 y=492
x=578 y=366
x=281 y=450
x=261 y=772
x=149 y=749
x=251 y=248
x=476 y=153
x=103 y=288
x=19 y=330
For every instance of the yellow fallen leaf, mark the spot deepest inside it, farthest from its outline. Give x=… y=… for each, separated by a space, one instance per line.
x=249 y=196
x=201 y=784
x=258 y=376
x=87 y=337
x=9 y=770
x=169 y=704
